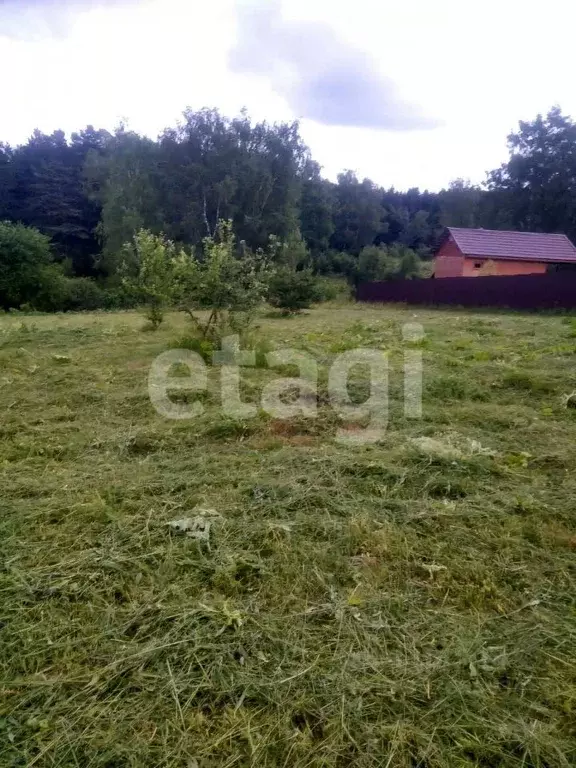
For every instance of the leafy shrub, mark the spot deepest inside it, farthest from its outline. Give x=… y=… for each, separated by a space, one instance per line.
x=333 y=288
x=154 y=283
x=29 y=277
x=52 y=291
x=229 y=288
x=58 y=293
x=85 y=294
x=373 y=264
x=117 y=297
x=397 y=262
x=204 y=347
x=291 y=253
x=292 y=291
x=26 y=268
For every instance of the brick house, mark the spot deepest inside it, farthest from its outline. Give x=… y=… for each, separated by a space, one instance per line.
x=482 y=252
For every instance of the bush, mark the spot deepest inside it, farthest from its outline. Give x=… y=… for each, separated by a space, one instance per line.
x=154 y=284
x=58 y=293
x=229 y=288
x=333 y=289
x=292 y=291
x=116 y=297
x=85 y=294
x=53 y=290
x=203 y=347
x=26 y=267
x=397 y=262
x=29 y=277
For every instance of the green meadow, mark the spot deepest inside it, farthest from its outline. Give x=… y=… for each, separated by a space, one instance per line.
x=407 y=604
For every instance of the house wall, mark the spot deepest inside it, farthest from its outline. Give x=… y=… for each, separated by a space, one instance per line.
x=501 y=267
x=449 y=260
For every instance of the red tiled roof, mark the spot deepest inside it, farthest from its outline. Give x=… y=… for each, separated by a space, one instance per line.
x=526 y=246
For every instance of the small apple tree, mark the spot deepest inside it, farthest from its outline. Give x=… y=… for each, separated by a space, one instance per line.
x=225 y=286
x=149 y=273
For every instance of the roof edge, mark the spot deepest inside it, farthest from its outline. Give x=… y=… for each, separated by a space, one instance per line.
x=509 y=245
x=541 y=259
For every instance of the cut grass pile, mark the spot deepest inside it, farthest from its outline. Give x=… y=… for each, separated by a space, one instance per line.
x=410 y=603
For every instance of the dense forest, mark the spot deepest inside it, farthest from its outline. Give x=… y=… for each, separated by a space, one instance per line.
x=92 y=192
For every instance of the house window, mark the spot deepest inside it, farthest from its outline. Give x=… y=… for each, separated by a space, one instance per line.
x=477 y=265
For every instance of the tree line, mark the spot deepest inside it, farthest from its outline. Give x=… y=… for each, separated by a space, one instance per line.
x=91 y=193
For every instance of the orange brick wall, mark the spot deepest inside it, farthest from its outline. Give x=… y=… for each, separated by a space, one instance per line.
x=449 y=260
x=501 y=267
x=451 y=263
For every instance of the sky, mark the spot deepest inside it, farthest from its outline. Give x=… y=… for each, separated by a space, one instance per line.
x=407 y=93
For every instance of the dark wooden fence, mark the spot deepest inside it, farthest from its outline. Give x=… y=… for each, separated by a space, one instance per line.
x=552 y=291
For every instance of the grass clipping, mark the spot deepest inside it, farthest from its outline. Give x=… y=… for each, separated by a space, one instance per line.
x=180 y=594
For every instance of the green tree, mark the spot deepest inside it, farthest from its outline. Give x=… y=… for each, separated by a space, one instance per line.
x=417 y=231
x=152 y=258
x=372 y=264
x=388 y=263
x=537 y=186
x=215 y=168
x=316 y=210
x=123 y=179
x=460 y=204
x=293 y=290
x=412 y=218
x=28 y=274
x=47 y=192
x=227 y=286
x=292 y=285
x=95 y=191
x=291 y=253
x=6 y=181
x=404 y=263
x=358 y=214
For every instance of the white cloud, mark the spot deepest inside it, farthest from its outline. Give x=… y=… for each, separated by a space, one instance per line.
x=37 y=19
x=322 y=76
x=479 y=69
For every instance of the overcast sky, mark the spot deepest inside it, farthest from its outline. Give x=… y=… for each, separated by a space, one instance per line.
x=408 y=93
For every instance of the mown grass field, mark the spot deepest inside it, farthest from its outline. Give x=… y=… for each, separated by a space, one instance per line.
x=410 y=603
